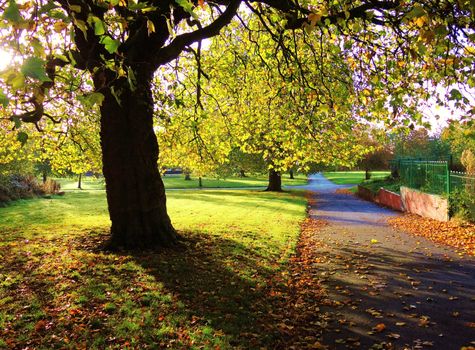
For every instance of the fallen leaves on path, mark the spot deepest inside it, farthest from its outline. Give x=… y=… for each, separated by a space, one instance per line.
x=300 y=318
x=449 y=233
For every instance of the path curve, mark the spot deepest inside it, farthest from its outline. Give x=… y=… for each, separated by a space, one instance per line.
x=423 y=293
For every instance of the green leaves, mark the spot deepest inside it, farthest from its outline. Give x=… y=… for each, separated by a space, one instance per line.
x=33 y=67
x=22 y=137
x=4 y=99
x=12 y=13
x=187 y=6
x=111 y=45
x=92 y=99
x=99 y=27
x=455 y=95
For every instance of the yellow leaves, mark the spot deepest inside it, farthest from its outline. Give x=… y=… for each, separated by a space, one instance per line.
x=150 y=27
x=314 y=18
x=374 y=241
x=424 y=321
x=421 y=21
x=58 y=27
x=469 y=50
x=75 y=8
x=81 y=25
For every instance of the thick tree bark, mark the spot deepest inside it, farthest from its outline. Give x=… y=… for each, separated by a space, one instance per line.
x=135 y=191
x=275 y=181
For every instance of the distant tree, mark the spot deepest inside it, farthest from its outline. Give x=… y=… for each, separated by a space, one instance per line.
x=460 y=136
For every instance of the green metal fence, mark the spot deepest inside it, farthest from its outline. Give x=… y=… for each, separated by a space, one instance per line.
x=462 y=181
x=435 y=177
x=432 y=176
x=427 y=176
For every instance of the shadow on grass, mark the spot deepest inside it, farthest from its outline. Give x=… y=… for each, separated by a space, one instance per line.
x=207 y=292
x=222 y=284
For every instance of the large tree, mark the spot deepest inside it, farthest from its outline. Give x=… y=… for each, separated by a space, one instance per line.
x=122 y=43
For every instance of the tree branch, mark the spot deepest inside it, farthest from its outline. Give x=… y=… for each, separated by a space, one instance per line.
x=173 y=50
x=357 y=12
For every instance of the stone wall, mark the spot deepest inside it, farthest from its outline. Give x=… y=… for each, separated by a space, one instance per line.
x=424 y=204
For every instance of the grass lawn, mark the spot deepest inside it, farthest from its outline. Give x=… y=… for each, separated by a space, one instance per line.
x=178 y=182
x=353 y=177
x=58 y=290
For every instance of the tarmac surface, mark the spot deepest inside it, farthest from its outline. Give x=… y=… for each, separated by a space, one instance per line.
x=391 y=290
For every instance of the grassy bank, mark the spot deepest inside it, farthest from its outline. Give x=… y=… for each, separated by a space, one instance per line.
x=353 y=177
x=58 y=290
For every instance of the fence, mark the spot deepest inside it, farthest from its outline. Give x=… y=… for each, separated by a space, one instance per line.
x=432 y=176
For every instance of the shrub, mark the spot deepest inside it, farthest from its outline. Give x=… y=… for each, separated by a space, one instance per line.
x=462 y=205
x=17 y=186
x=51 y=186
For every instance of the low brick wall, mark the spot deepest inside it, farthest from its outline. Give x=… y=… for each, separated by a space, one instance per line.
x=364 y=193
x=424 y=204
x=383 y=197
x=389 y=199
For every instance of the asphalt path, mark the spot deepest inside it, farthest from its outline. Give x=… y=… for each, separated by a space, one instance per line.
x=388 y=289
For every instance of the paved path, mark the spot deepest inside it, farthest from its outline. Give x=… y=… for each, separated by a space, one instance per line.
x=423 y=293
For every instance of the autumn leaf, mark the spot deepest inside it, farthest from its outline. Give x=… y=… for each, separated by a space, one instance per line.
x=379 y=327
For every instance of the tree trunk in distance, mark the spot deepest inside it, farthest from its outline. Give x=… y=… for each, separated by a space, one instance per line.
x=80 y=181
x=200 y=184
x=275 y=181
x=242 y=173
x=291 y=173
x=135 y=190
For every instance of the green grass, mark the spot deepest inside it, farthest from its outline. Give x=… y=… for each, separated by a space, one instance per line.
x=353 y=177
x=179 y=182
x=58 y=290
x=388 y=184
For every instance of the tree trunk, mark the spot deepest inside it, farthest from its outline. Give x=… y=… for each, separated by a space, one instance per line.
x=242 y=173
x=135 y=190
x=291 y=173
x=187 y=176
x=45 y=176
x=367 y=174
x=200 y=183
x=80 y=181
x=275 y=181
